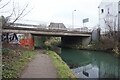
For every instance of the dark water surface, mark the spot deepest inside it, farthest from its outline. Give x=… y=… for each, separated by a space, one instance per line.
x=91 y=64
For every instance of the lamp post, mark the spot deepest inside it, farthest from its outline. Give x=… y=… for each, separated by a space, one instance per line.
x=73 y=18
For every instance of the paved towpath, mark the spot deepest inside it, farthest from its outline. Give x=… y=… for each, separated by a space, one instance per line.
x=40 y=67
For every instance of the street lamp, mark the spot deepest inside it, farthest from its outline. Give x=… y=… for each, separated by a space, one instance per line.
x=73 y=18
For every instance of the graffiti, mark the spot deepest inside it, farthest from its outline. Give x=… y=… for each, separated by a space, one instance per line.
x=9 y=37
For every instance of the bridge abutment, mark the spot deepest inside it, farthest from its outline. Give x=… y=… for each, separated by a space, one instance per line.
x=27 y=42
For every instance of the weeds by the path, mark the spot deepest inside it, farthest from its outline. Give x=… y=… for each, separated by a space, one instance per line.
x=14 y=61
x=62 y=68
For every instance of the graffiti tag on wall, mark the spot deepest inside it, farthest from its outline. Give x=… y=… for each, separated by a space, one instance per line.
x=9 y=37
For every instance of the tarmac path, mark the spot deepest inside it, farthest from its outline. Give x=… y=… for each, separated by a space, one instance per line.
x=40 y=67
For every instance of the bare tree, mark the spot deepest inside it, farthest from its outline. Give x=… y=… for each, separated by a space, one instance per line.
x=4 y=4
x=111 y=25
x=17 y=13
x=112 y=30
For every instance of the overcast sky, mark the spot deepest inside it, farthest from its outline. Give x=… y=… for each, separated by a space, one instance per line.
x=60 y=11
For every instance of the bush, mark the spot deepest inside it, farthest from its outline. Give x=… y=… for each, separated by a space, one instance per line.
x=13 y=65
x=5 y=51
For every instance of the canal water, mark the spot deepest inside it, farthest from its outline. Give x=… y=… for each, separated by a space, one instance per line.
x=91 y=64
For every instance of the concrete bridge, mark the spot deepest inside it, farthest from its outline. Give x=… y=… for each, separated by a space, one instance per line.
x=47 y=32
x=68 y=37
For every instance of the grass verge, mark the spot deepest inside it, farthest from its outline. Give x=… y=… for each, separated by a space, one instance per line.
x=62 y=68
x=14 y=62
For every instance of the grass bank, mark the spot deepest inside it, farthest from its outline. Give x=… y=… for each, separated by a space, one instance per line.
x=62 y=68
x=14 y=61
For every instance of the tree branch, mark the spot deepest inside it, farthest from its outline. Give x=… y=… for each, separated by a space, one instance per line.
x=19 y=15
x=5 y=4
x=16 y=12
x=0 y=0
x=27 y=13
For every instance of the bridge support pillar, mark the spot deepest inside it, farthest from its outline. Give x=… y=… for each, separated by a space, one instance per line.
x=31 y=41
x=86 y=40
x=75 y=41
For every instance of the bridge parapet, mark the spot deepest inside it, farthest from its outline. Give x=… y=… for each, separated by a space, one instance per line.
x=52 y=26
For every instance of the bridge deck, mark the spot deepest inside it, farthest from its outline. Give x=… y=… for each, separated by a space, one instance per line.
x=44 y=31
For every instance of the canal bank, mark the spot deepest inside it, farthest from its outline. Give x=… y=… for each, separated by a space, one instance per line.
x=99 y=47
x=63 y=69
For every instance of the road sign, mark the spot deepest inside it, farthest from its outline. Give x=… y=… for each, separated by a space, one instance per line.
x=85 y=20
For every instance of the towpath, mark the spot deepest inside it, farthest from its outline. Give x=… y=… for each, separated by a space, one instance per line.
x=40 y=67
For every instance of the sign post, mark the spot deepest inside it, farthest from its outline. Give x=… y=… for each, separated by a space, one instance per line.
x=85 y=20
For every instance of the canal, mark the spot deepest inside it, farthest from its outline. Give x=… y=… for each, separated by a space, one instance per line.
x=91 y=64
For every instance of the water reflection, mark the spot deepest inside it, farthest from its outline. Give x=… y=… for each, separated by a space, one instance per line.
x=87 y=71
x=91 y=64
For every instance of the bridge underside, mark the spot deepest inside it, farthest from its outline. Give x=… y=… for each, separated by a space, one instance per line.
x=69 y=41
